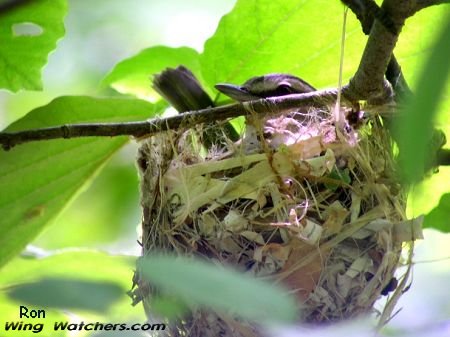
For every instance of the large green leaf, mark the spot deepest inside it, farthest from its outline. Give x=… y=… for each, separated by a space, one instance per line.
x=38 y=179
x=108 y=208
x=133 y=75
x=28 y=33
x=90 y=272
x=300 y=37
x=200 y=283
x=67 y=293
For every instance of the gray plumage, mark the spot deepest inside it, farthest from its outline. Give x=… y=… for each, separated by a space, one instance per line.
x=265 y=86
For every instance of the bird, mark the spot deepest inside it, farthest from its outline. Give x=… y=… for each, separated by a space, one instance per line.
x=275 y=130
x=183 y=91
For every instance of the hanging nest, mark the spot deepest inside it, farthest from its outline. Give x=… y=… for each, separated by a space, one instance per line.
x=317 y=209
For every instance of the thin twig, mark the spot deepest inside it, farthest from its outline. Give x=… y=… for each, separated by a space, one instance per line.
x=267 y=106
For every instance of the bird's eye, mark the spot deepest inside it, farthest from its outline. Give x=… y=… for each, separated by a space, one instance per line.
x=283 y=89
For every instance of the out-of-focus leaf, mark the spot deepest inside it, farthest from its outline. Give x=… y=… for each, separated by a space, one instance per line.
x=415 y=126
x=439 y=217
x=168 y=306
x=72 y=294
x=28 y=33
x=415 y=44
x=134 y=75
x=204 y=284
x=361 y=327
x=298 y=37
x=38 y=179
x=88 y=268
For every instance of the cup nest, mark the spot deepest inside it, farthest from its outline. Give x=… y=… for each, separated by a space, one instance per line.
x=316 y=208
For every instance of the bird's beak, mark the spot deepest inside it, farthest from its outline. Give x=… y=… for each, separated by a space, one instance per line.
x=235 y=92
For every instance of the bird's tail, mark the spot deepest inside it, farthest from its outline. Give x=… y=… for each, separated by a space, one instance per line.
x=184 y=92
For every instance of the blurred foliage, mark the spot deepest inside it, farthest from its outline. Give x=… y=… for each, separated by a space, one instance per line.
x=68 y=294
x=414 y=47
x=416 y=124
x=53 y=274
x=203 y=284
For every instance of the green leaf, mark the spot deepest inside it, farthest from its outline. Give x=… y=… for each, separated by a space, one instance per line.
x=133 y=75
x=169 y=307
x=415 y=44
x=417 y=40
x=107 y=208
x=38 y=179
x=28 y=33
x=299 y=37
x=200 y=283
x=63 y=293
x=438 y=218
x=415 y=127
x=89 y=269
x=340 y=176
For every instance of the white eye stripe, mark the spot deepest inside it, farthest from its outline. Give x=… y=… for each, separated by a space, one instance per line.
x=285 y=83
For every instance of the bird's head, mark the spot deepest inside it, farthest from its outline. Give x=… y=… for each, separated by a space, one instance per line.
x=265 y=86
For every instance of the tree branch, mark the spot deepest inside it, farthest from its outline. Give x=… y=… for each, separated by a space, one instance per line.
x=367 y=11
x=368 y=82
x=427 y=3
x=271 y=105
